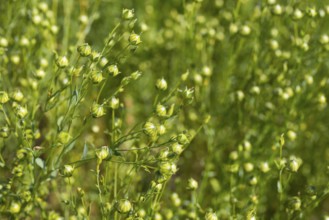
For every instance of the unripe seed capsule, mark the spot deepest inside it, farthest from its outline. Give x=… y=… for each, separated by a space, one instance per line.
x=84 y=50
x=97 y=110
x=134 y=39
x=192 y=184
x=161 y=84
x=62 y=62
x=103 y=153
x=114 y=103
x=128 y=14
x=124 y=206
x=4 y=97
x=113 y=69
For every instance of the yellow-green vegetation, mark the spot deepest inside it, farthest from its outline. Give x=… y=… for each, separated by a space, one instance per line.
x=173 y=109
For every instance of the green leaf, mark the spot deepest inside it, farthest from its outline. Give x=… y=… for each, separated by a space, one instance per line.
x=40 y=162
x=85 y=151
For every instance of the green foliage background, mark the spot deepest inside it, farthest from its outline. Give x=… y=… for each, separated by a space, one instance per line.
x=258 y=72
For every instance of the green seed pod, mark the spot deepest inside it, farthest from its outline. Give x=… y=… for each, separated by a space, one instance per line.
x=113 y=69
x=124 y=206
x=64 y=137
x=40 y=74
x=156 y=186
x=295 y=203
x=163 y=155
x=162 y=129
x=24 y=42
x=134 y=39
x=177 y=148
x=188 y=94
x=17 y=171
x=192 y=184
x=17 y=96
x=114 y=103
x=128 y=14
x=161 y=84
x=84 y=50
x=3 y=97
x=15 y=207
x=95 y=56
x=253 y=180
x=15 y=59
x=167 y=168
x=294 y=165
x=21 y=112
x=176 y=200
x=211 y=216
x=248 y=167
x=67 y=171
x=84 y=19
x=141 y=213
x=264 y=167
x=81 y=192
x=103 y=62
x=62 y=62
x=26 y=196
x=324 y=39
x=150 y=129
x=245 y=30
x=103 y=153
x=75 y=72
x=135 y=75
x=21 y=153
x=3 y=42
x=161 y=111
x=97 y=110
x=298 y=14
x=277 y=9
x=183 y=139
x=96 y=76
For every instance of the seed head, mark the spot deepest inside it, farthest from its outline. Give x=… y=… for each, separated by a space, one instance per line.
x=15 y=207
x=62 y=62
x=113 y=69
x=192 y=184
x=177 y=148
x=128 y=14
x=4 y=98
x=161 y=84
x=114 y=103
x=21 y=111
x=103 y=153
x=97 y=110
x=84 y=50
x=134 y=39
x=68 y=170
x=211 y=216
x=124 y=206
x=4 y=132
x=17 y=96
x=96 y=76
